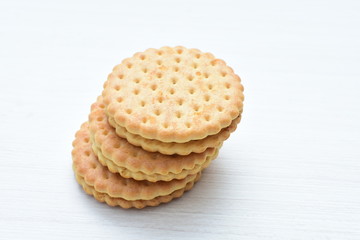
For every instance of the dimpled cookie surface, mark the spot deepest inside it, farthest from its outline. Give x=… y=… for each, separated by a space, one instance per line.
x=173 y=94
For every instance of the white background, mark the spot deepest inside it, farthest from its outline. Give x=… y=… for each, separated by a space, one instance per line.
x=290 y=171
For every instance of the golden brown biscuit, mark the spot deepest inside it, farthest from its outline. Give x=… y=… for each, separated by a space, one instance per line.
x=173 y=94
x=103 y=197
x=153 y=177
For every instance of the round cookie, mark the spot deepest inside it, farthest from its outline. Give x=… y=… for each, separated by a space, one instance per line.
x=152 y=177
x=133 y=162
x=173 y=94
x=86 y=166
x=103 y=197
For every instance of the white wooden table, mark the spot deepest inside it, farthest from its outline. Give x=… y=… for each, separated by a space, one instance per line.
x=291 y=170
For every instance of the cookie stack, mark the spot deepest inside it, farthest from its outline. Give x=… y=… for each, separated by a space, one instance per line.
x=162 y=118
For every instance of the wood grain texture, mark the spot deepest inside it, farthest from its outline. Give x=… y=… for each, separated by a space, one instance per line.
x=290 y=171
